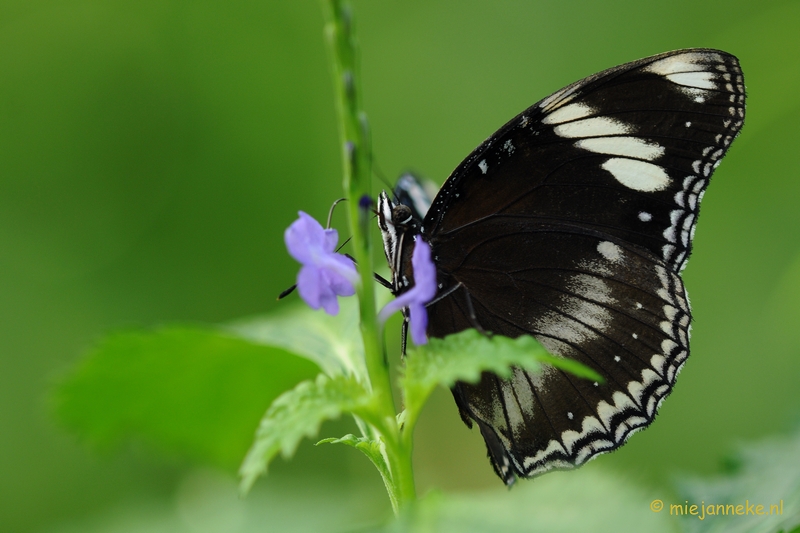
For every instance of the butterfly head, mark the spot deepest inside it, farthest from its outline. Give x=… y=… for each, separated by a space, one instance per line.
x=399 y=226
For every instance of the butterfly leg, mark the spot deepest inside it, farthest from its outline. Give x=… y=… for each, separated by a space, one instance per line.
x=404 y=335
x=472 y=316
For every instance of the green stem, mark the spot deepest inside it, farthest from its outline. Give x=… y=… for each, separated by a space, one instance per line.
x=357 y=177
x=399 y=455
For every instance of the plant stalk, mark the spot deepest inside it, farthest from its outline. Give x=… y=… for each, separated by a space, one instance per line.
x=357 y=177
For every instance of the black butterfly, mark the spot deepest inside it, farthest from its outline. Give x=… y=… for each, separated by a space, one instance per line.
x=572 y=223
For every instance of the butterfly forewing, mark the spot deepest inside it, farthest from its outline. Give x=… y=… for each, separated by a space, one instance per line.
x=627 y=152
x=572 y=223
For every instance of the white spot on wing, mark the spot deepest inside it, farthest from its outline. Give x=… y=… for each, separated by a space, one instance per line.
x=687 y=62
x=606 y=412
x=498 y=412
x=523 y=391
x=552 y=447
x=698 y=79
x=577 y=320
x=637 y=175
x=610 y=251
x=512 y=410
x=636 y=391
x=483 y=166
x=592 y=127
x=657 y=362
x=568 y=113
x=624 y=146
x=667 y=345
x=591 y=287
x=540 y=379
x=644 y=216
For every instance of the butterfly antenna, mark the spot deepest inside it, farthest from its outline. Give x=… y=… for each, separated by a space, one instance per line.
x=330 y=213
x=380 y=175
x=342 y=246
x=287 y=292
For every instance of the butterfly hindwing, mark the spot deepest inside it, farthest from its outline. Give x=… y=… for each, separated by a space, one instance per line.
x=614 y=307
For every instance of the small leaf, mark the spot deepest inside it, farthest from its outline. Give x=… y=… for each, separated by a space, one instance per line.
x=299 y=413
x=332 y=342
x=349 y=440
x=466 y=355
x=193 y=390
x=373 y=449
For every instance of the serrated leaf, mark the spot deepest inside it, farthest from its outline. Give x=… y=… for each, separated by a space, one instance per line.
x=466 y=355
x=767 y=473
x=373 y=449
x=192 y=390
x=332 y=342
x=299 y=413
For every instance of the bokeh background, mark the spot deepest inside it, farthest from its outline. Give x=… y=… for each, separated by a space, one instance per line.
x=153 y=151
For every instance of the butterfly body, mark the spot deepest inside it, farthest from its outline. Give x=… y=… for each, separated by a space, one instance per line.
x=572 y=223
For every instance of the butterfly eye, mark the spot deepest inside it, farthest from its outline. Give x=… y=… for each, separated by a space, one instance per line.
x=401 y=215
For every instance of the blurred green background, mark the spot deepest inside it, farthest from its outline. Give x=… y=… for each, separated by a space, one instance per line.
x=152 y=153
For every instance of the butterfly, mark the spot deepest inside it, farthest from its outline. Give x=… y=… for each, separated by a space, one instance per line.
x=572 y=223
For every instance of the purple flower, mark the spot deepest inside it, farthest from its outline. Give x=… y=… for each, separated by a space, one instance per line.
x=419 y=295
x=325 y=274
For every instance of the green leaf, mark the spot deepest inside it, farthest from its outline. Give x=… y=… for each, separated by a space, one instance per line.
x=766 y=473
x=299 y=413
x=464 y=356
x=192 y=390
x=332 y=342
x=373 y=449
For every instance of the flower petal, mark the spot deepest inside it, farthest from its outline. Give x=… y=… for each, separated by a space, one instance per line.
x=424 y=271
x=331 y=239
x=306 y=239
x=418 y=296
x=343 y=267
x=328 y=299
x=391 y=308
x=310 y=286
x=418 y=322
x=325 y=274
